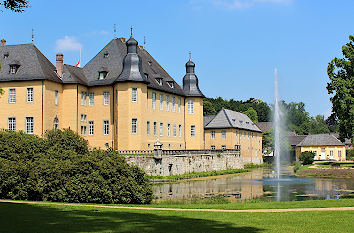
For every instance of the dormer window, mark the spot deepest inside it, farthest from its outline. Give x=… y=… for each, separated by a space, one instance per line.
x=171 y=84
x=6 y=55
x=146 y=75
x=159 y=81
x=106 y=54
x=102 y=75
x=14 y=65
x=149 y=62
x=13 y=69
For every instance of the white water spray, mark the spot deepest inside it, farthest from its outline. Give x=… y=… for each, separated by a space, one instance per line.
x=276 y=123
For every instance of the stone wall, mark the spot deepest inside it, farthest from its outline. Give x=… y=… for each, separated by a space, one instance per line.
x=166 y=165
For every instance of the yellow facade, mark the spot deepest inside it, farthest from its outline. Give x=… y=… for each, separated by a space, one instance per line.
x=75 y=113
x=229 y=138
x=337 y=153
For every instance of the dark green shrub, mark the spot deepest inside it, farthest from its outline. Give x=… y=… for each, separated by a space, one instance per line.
x=307 y=157
x=69 y=172
x=350 y=154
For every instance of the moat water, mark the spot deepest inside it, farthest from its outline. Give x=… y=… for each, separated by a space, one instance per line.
x=257 y=184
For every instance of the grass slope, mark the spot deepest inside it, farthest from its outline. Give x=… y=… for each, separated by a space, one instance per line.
x=45 y=218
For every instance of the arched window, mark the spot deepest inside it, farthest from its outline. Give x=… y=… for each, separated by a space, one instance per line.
x=55 y=123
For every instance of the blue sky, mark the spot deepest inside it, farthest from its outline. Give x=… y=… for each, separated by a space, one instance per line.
x=236 y=44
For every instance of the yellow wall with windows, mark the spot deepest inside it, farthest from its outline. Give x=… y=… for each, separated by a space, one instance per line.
x=119 y=112
x=21 y=108
x=195 y=119
x=324 y=152
x=250 y=142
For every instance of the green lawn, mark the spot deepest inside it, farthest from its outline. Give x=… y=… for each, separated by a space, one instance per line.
x=46 y=218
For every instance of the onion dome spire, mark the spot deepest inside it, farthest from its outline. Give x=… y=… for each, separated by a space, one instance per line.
x=132 y=65
x=190 y=80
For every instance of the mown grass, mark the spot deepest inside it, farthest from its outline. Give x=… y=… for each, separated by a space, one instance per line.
x=200 y=174
x=71 y=219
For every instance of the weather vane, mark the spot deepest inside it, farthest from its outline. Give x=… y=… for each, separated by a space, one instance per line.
x=131 y=31
x=190 y=55
x=32 y=35
x=115 y=31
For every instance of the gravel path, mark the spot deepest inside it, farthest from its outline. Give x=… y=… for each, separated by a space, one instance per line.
x=178 y=209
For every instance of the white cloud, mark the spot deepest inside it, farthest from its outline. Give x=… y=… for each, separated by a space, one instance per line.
x=244 y=4
x=68 y=43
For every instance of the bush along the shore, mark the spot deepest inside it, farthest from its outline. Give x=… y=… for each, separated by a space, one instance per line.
x=307 y=157
x=61 y=168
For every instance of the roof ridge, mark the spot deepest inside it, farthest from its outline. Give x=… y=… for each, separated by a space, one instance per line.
x=227 y=117
x=39 y=53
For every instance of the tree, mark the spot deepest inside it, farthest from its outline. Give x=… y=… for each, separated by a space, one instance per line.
x=15 y=5
x=341 y=74
x=252 y=114
x=208 y=108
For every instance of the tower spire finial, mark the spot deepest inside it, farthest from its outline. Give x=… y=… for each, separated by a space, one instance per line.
x=190 y=55
x=144 y=41
x=32 y=33
x=131 y=31
x=115 y=31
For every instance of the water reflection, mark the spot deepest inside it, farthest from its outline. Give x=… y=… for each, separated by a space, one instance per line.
x=257 y=184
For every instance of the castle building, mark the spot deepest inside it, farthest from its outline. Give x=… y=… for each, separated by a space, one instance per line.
x=122 y=98
x=230 y=130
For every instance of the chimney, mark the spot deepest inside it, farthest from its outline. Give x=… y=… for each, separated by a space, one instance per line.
x=60 y=63
x=122 y=39
x=3 y=42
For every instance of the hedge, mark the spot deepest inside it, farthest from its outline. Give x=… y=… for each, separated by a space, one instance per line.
x=61 y=168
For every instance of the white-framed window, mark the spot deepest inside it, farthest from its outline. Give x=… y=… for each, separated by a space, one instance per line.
x=155 y=128
x=106 y=98
x=190 y=106
x=148 y=128
x=179 y=130
x=223 y=134
x=29 y=95
x=223 y=147
x=12 y=95
x=102 y=75
x=83 y=117
x=134 y=94
x=106 y=127
x=134 y=126
x=11 y=123
x=171 y=84
x=83 y=130
x=168 y=130
x=179 y=104
x=331 y=154
x=213 y=134
x=161 y=102
x=161 y=129
x=167 y=103
x=174 y=130
x=192 y=131
x=173 y=104
x=56 y=123
x=159 y=81
x=154 y=100
x=29 y=127
x=91 y=98
x=212 y=147
x=83 y=98
x=339 y=153
x=91 y=128
x=56 y=97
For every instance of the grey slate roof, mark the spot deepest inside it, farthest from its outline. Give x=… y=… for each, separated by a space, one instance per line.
x=265 y=126
x=295 y=139
x=33 y=64
x=190 y=81
x=320 y=140
x=347 y=141
x=226 y=118
x=207 y=119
